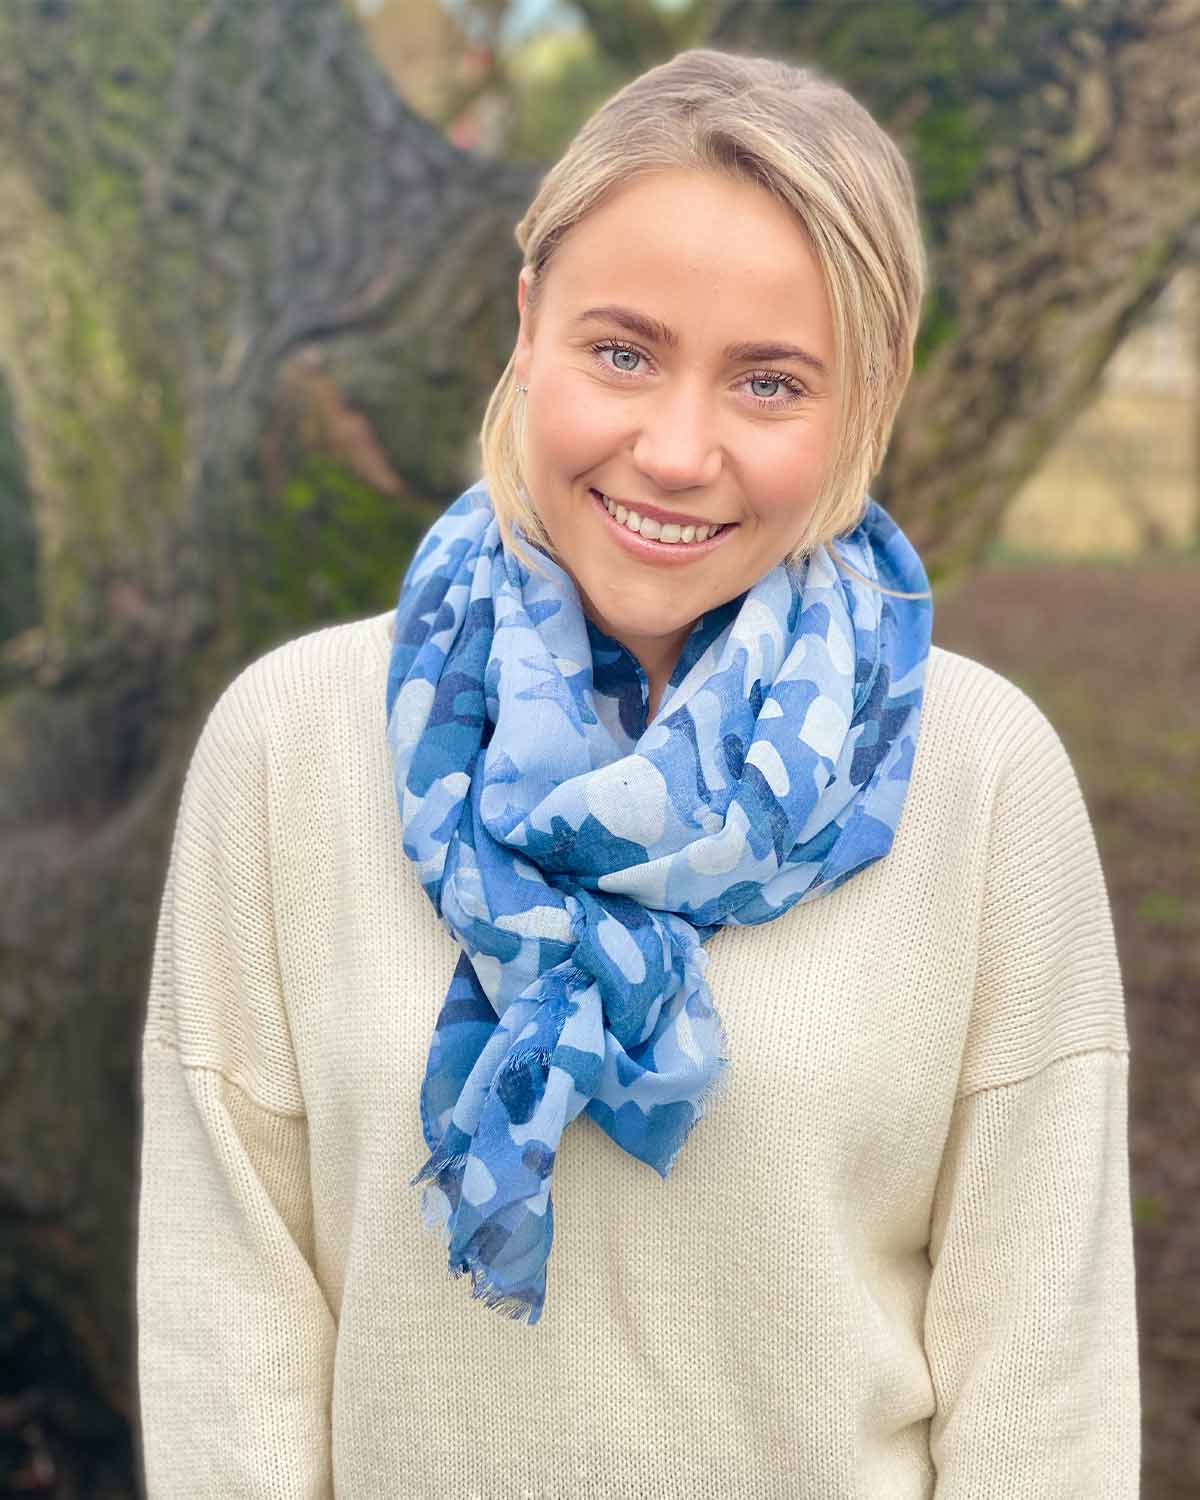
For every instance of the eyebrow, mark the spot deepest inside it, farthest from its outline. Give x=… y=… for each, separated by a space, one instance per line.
x=658 y=333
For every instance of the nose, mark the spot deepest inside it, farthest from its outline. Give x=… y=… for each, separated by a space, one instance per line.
x=676 y=446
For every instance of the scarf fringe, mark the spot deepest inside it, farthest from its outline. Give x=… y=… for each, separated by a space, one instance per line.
x=709 y=1095
x=482 y=1290
x=438 y=1164
x=435 y=1204
x=434 y=1218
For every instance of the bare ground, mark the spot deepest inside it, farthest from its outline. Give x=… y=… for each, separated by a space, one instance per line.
x=1112 y=656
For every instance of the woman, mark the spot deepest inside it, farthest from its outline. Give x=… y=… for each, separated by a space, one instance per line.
x=669 y=822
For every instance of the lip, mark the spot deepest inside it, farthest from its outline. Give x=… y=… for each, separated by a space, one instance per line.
x=667 y=553
x=666 y=517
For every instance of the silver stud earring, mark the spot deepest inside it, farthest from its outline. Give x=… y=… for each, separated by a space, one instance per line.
x=522 y=389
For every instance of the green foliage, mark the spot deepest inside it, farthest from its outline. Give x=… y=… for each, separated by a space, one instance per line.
x=19 y=606
x=1148 y=1210
x=926 y=75
x=426 y=408
x=949 y=151
x=890 y=37
x=332 y=548
x=558 y=81
x=939 y=323
x=1163 y=909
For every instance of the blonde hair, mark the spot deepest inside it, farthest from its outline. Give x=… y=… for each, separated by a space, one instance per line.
x=807 y=141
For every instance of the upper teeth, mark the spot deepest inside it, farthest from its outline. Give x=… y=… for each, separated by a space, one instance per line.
x=656 y=530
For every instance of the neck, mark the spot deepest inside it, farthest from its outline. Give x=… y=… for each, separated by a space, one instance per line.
x=657 y=655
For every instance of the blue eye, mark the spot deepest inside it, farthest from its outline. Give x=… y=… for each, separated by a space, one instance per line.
x=611 y=344
x=796 y=391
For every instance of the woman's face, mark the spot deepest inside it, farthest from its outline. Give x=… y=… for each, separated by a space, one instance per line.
x=639 y=392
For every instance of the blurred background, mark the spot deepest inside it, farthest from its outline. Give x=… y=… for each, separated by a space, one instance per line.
x=257 y=278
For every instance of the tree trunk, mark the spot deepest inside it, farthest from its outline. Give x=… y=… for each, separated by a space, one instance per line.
x=248 y=304
x=250 y=308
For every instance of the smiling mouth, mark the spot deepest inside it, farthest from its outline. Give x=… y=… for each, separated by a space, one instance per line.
x=658 y=531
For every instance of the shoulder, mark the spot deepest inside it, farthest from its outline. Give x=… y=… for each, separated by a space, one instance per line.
x=989 y=771
x=979 y=722
x=293 y=751
x=305 y=688
x=973 y=704
x=1047 y=978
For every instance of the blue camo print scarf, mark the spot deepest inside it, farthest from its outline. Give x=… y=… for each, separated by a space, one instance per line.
x=582 y=858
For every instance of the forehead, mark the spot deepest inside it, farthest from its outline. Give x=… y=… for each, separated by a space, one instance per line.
x=703 y=252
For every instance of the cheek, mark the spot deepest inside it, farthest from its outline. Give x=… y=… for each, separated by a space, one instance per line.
x=574 y=433
x=781 y=487
x=783 y=470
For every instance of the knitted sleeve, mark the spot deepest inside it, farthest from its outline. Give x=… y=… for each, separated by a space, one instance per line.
x=1030 y=1322
x=235 y=1338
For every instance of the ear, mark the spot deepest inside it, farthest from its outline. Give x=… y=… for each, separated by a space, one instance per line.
x=523 y=351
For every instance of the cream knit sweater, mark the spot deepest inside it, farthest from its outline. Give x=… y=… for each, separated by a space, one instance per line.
x=894 y=1260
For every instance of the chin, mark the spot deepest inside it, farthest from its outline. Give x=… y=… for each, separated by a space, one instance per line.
x=646 y=618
